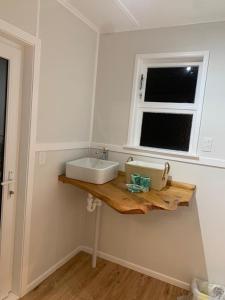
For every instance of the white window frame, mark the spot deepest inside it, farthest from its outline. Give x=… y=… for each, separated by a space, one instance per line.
x=138 y=106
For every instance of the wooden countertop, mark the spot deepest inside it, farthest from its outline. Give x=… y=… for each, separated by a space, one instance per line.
x=116 y=195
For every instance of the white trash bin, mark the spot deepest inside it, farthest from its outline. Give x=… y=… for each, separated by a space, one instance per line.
x=202 y=290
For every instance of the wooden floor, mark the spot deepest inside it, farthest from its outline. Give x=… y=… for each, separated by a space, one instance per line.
x=78 y=281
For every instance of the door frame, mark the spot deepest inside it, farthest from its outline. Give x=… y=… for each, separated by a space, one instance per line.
x=13 y=53
x=32 y=43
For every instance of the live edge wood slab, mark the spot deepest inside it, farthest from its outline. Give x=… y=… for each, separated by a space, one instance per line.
x=115 y=194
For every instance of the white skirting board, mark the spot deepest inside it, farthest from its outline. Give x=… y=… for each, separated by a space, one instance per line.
x=51 y=270
x=119 y=261
x=11 y=296
x=140 y=269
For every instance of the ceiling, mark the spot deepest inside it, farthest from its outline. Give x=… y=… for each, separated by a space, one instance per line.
x=122 y=15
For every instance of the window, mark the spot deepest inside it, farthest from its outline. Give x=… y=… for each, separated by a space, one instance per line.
x=167 y=102
x=161 y=125
x=171 y=84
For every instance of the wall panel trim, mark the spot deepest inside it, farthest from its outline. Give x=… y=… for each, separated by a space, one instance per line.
x=61 y=146
x=202 y=161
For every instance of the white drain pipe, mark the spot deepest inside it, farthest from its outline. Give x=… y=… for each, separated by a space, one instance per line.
x=92 y=204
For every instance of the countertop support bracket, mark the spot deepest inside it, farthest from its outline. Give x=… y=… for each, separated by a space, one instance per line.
x=92 y=205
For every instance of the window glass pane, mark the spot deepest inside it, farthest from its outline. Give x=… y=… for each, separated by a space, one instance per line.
x=171 y=84
x=166 y=131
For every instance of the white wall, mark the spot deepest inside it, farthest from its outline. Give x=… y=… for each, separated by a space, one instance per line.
x=169 y=243
x=155 y=239
x=68 y=62
x=64 y=114
x=67 y=73
x=22 y=13
x=115 y=78
x=57 y=215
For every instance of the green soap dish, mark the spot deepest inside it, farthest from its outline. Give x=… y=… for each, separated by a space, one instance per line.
x=134 y=188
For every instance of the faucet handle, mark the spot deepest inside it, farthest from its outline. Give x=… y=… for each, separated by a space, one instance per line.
x=105 y=149
x=102 y=153
x=130 y=159
x=105 y=153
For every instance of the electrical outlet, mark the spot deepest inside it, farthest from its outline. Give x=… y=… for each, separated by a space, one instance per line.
x=42 y=158
x=207 y=144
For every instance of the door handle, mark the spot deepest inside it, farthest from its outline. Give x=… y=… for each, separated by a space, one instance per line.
x=7 y=182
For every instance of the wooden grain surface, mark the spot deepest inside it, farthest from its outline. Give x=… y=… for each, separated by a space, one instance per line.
x=76 y=280
x=116 y=195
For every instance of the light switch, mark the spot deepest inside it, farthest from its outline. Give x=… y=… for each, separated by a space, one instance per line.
x=207 y=144
x=42 y=158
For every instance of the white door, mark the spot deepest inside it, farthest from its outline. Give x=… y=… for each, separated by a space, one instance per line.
x=10 y=79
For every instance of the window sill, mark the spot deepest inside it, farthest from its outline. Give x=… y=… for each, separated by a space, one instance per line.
x=159 y=153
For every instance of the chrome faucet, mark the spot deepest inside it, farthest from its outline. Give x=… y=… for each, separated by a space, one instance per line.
x=130 y=159
x=103 y=153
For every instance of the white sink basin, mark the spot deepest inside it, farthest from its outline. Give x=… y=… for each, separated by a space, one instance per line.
x=92 y=170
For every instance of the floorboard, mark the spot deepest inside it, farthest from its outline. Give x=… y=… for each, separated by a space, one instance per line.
x=76 y=280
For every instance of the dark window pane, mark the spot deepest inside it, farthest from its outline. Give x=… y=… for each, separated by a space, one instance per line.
x=175 y=84
x=166 y=131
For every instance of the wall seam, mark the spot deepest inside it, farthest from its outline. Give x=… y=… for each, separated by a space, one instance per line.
x=94 y=89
